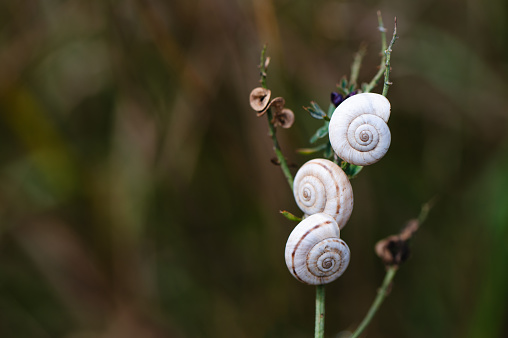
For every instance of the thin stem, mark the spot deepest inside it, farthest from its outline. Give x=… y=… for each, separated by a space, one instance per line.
x=355 y=67
x=263 y=64
x=382 y=65
x=424 y=211
x=319 y=330
x=381 y=295
x=390 y=274
x=388 y=55
x=382 y=29
x=282 y=160
x=262 y=67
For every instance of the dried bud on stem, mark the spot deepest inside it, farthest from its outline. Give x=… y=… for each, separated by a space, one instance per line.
x=394 y=249
x=259 y=98
x=284 y=118
x=260 y=102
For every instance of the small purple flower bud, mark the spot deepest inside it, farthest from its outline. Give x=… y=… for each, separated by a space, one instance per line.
x=352 y=93
x=336 y=99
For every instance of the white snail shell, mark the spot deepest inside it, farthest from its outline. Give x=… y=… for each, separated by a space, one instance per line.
x=315 y=254
x=358 y=128
x=321 y=186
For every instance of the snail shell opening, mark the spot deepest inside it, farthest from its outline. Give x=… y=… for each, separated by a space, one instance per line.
x=358 y=129
x=321 y=186
x=315 y=254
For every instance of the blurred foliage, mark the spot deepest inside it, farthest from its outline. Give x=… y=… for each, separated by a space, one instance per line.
x=137 y=196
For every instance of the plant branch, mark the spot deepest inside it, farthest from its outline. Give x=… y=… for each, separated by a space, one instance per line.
x=263 y=65
x=319 y=330
x=382 y=29
x=391 y=270
x=355 y=67
x=382 y=65
x=276 y=147
x=381 y=295
x=388 y=54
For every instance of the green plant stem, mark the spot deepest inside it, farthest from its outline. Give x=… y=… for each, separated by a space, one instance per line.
x=382 y=65
x=262 y=67
x=388 y=54
x=319 y=330
x=355 y=67
x=271 y=128
x=390 y=274
x=282 y=160
x=381 y=295
x=382 y=29
x=424 y=211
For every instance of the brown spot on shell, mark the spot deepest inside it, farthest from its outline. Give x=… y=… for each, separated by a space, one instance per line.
x=337 y=188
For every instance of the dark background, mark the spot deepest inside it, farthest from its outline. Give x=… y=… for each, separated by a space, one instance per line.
x=137 y=196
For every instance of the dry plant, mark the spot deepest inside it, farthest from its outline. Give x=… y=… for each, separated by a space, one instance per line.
x=356 y=125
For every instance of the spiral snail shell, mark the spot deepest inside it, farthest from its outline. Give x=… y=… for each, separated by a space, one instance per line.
x=358 y=128
x=321 y=186
x=315 y=254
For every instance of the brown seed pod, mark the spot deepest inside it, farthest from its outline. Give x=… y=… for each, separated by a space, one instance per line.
x=277 y=104
x=284 y=118
x=259 y=98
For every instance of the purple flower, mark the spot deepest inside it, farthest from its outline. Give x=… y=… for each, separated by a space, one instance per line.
x=336 y=99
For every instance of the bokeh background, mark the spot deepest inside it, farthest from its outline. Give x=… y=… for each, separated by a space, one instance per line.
x=137 y=195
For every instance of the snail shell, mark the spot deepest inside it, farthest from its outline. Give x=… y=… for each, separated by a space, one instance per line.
x=358 y=128
x=315 y=254
x=321 y=186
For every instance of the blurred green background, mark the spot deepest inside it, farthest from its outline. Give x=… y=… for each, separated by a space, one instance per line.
x=137 y=196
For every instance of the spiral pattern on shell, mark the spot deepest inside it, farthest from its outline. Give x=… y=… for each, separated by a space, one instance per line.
x=358 y=129
x=321 y=186
x=315 y=254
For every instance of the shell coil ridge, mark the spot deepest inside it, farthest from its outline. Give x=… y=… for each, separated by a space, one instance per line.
x=314 y=253
x=321 y=186
x=358 y=129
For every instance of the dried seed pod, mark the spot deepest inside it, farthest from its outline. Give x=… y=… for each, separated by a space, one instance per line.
x=314 y=253
x=358 y=129
x=259 y=98
x=284 y=118
x=321 y=186
x=277 y=104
